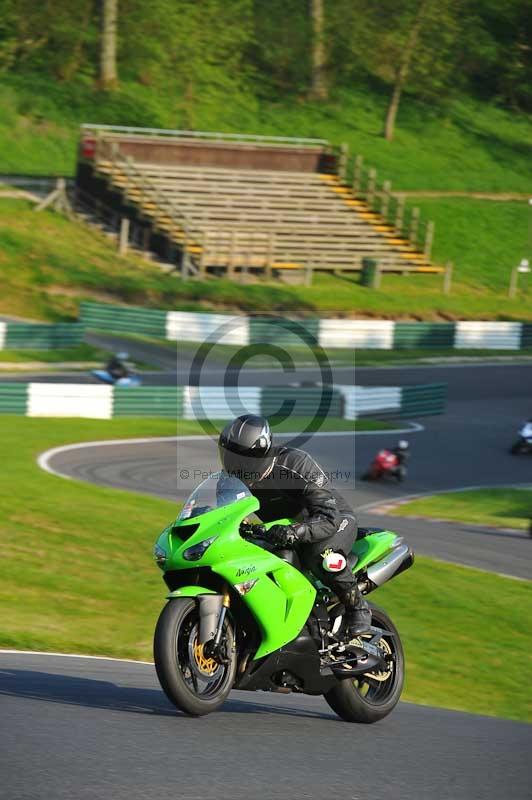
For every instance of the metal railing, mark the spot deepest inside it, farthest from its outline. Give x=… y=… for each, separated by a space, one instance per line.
x=215 y=136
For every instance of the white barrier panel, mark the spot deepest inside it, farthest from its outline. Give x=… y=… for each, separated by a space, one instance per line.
x=218 y=402
x=363 y=333
x=488 y=335
x=3 y=332
x=363 y=399
x=221 y=328
x=69 y=400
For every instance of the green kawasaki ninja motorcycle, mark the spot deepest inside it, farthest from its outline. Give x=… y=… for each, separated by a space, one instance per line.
x=242 y=614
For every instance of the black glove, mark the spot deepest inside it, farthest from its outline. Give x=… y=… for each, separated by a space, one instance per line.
x=250 y=530
x=283 y=535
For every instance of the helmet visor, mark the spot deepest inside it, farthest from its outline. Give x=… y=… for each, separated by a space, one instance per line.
x=245 y=467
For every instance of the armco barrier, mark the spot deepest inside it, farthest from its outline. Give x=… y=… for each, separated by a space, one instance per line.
x=296 y=402
x=217 y=402
x=329 y=333
x=423 y=401
x=148 y=401
x=288 y=333
x=123 y=319
x=421 y=335
x=28 y=336
x=13 y=398
x=69 y=400
x=488 y=335
x=526 y=334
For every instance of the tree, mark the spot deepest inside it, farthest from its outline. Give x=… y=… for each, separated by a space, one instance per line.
x=318 y=89
x=403 y=68
x=280 y=54
x=108 y=71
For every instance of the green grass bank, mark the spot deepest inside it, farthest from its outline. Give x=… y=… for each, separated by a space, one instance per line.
x=498 y=508
x=48 y=264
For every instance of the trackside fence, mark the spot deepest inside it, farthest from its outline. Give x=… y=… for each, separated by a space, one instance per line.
x=27 y=336
x=219 y=403
x=184 y=326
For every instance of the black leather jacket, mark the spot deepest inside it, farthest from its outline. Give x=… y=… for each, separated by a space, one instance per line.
x=402 y=455
x=297 y=487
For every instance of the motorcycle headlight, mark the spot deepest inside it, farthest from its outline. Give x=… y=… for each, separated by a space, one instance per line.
x=159 y=555
x=197 y=551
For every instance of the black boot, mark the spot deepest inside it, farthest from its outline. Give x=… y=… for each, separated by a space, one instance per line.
x=357 y=612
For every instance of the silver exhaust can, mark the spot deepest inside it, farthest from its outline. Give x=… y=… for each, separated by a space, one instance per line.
x=399 y=559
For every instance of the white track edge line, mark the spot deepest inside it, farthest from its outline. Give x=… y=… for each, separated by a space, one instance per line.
x=72 y=655
x=43 y=459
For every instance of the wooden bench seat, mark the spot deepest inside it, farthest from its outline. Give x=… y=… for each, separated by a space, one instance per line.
x=263 y=219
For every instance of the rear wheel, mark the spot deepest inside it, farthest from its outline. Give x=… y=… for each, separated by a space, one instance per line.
x=516 y=448
x=194 y=682
x=371 y=697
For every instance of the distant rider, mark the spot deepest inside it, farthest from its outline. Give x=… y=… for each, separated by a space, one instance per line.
x=402 y=451
x=116 y=366
x=290 y=484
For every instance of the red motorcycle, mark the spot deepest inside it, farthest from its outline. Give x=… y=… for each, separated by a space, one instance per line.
x=383 y=465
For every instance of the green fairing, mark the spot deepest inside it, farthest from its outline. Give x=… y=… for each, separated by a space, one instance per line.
x=373 y=547
x=189 y=591
x=282 y=598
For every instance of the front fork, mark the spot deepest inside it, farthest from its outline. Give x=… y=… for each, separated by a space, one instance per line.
x=213 y=611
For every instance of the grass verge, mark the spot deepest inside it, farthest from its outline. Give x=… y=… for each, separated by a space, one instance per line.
x=497 y=508
x=83 y=352
x=76 y=575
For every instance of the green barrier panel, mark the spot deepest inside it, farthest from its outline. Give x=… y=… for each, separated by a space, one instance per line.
x=423 y=335
x=148 y=401
x=302 y=333
x=100 y=316
x=13 y=398
x=24 y=336
x=302 y=402
x=423 y=400
x=526 y=334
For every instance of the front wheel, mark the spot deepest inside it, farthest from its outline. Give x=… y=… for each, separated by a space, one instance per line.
x=192 y=681
x=371 y=697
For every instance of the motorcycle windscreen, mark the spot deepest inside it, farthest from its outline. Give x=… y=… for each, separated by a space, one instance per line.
x=217 y=491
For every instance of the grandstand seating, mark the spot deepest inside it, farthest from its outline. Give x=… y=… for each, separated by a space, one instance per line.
x=254 y=218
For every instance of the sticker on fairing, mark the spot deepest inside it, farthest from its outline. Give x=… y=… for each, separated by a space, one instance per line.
x=334 y=562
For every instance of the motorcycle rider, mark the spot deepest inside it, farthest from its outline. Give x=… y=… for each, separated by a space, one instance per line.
x=289 y=483
x=116 y=366
x=402 y=452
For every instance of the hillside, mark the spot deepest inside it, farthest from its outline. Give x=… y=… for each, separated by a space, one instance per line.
x=468 y=145
x=48 y=264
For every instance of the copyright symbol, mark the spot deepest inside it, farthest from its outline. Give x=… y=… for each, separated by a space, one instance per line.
x=277 y=339
x=184 y=474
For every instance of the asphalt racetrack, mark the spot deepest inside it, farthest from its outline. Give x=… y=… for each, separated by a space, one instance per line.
x=81 y=729
x=95 y=728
